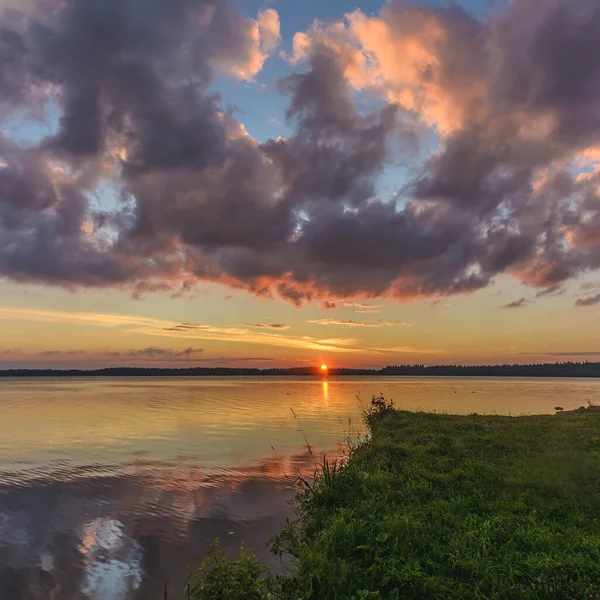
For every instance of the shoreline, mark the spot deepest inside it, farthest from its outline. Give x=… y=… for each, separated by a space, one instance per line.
x=435 y=506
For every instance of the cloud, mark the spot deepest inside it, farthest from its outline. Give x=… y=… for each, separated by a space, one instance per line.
x=269 y=29
x=80 y=318
x=517 y=303
x=409 y=350
x=557 y=290
x=235 y=359
x=240 y=334
x=224 y=360
x=188 y=327
x=155 y=352
x=512 y=101
x=362 y=306
x=148 y=355
x=342 y=322
x=187 y=331
x=560 y=353
x=61 y=352
x=589 y=301
x=152 y=352
x=425 y=60
x=258 y=40
x=277 y=326
x=329 y=305
x=352 y=323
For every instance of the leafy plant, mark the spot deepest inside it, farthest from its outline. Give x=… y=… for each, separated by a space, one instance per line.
x=379 y=408
x=220 y=578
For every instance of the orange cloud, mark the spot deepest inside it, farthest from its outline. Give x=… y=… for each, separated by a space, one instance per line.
x=263 y=35
x=410 y=350
x=413 y=57
x=352 y=323
x=187 y=331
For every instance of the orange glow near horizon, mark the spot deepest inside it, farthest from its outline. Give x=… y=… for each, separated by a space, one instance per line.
x=39 y=332
x=323 y=368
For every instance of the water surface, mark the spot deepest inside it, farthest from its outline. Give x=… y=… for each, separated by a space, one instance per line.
x=109 y=487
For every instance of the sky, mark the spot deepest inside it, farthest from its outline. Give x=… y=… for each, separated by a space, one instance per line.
x=281 y=184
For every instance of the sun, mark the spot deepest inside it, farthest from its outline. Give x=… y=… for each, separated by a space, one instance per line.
x=323 y=368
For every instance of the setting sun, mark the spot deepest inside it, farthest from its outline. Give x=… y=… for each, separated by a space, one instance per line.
x=324 y=368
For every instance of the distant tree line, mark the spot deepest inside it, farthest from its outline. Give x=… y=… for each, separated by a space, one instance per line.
x=563 y=369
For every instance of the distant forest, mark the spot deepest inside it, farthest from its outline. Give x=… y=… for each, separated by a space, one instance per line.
x=563 y=369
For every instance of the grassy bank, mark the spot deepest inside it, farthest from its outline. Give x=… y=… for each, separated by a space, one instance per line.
x=437 y=506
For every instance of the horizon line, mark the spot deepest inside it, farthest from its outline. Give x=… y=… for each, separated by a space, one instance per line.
x=315 y=370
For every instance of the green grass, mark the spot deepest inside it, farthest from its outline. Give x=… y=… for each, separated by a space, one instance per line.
x=461 y=507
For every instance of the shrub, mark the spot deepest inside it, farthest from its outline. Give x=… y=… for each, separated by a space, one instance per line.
x=379 y=408
x=220 y=578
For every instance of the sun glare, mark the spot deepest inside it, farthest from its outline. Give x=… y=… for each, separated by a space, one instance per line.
x=324 y=368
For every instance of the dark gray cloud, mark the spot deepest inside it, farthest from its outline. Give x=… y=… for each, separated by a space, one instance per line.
x=589 y=301
x=119 y=72
x=329 y=305
x=557 y=290
x=297 y=217
x=335 y=153
x=556 y=42
x=189 y=354
x=235 y=359
x=187 y=327
x=536 y=80
x=61 y=352
x=154 y=352
x=517 y=303
x=276 y=326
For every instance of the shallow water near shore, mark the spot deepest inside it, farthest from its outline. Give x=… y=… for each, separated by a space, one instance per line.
x=110 y=487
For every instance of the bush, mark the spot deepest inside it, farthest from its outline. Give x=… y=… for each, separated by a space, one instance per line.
x=220 y=578
x=379 y=408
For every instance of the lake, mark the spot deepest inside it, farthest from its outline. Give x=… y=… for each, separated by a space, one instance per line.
x=110 y=487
